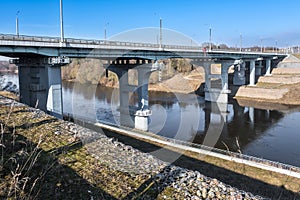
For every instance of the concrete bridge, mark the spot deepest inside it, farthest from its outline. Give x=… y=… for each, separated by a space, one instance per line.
x=40 y=59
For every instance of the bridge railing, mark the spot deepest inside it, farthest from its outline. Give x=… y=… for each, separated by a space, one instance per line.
x=102 y=43
x=56 y=40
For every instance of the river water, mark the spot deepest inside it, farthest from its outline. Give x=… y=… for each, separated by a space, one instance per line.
x=269 y=134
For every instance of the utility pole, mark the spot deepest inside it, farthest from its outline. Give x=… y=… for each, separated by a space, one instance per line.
x=261 y=46
x=160 y=33
x=241 y=42
x=210 y=44
x=17 y=23
x=61 y=23
x=105 y=31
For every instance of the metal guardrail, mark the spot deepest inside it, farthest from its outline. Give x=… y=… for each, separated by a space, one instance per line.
x=219 y=151
x=236 y=155
x=56 y=40
x=257 y=160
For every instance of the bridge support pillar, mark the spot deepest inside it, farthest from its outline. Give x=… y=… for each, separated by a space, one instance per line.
x=124 y=90
x=258 y=69
x=217 y=94
x=40 y=84
x=239 y=74
x=268 y=67
x=252 y=73
x=142 y=113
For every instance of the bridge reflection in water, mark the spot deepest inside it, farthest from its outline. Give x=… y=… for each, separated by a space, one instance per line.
x=236 y=129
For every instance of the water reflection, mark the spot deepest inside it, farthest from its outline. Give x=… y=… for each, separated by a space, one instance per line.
x=223 y=126
x=245 y=126
x=264 y=132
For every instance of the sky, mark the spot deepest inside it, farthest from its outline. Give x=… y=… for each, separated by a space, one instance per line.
x=257 y=22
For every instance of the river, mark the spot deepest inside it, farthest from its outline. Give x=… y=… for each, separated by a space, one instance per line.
x=269 y=134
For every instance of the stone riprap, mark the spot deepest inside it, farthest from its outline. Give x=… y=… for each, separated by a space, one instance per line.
x=121 y=171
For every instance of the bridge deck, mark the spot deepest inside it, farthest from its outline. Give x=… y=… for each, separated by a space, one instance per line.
x=14 y=46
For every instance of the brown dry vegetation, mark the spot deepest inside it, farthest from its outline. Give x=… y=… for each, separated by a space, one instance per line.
x=37 y=162
x=177 y=72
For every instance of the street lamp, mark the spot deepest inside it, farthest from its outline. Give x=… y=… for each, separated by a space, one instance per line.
x=105 y=27
x=241 y=42
x=61 y=23
x=261 y=47
x=17 y=23
x=160 y=33
x=210 y=45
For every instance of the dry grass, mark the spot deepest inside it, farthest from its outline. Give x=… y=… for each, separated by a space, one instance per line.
x=18 y=160
x=37 y=163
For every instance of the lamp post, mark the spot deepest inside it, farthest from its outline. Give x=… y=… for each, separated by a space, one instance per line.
x=17 y=23
x=241 y=42
x=105 y=27
x=61 y=23
x=210 y=44
x=261 y=45
x=160 y=33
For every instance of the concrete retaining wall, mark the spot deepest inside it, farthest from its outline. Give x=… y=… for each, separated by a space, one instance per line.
x=201 y=151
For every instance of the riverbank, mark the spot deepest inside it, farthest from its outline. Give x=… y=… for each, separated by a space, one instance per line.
x=68 y=161
x=283 y=87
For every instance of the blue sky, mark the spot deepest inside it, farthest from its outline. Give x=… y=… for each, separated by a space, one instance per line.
x=257 y=20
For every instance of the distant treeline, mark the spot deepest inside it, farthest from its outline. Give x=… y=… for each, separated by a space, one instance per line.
x=91 y=71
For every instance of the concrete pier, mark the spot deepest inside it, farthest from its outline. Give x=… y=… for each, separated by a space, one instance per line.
x=268 y=67
x=252 y=73
x=139 y=117
x=40 y=83
x=239 y=77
